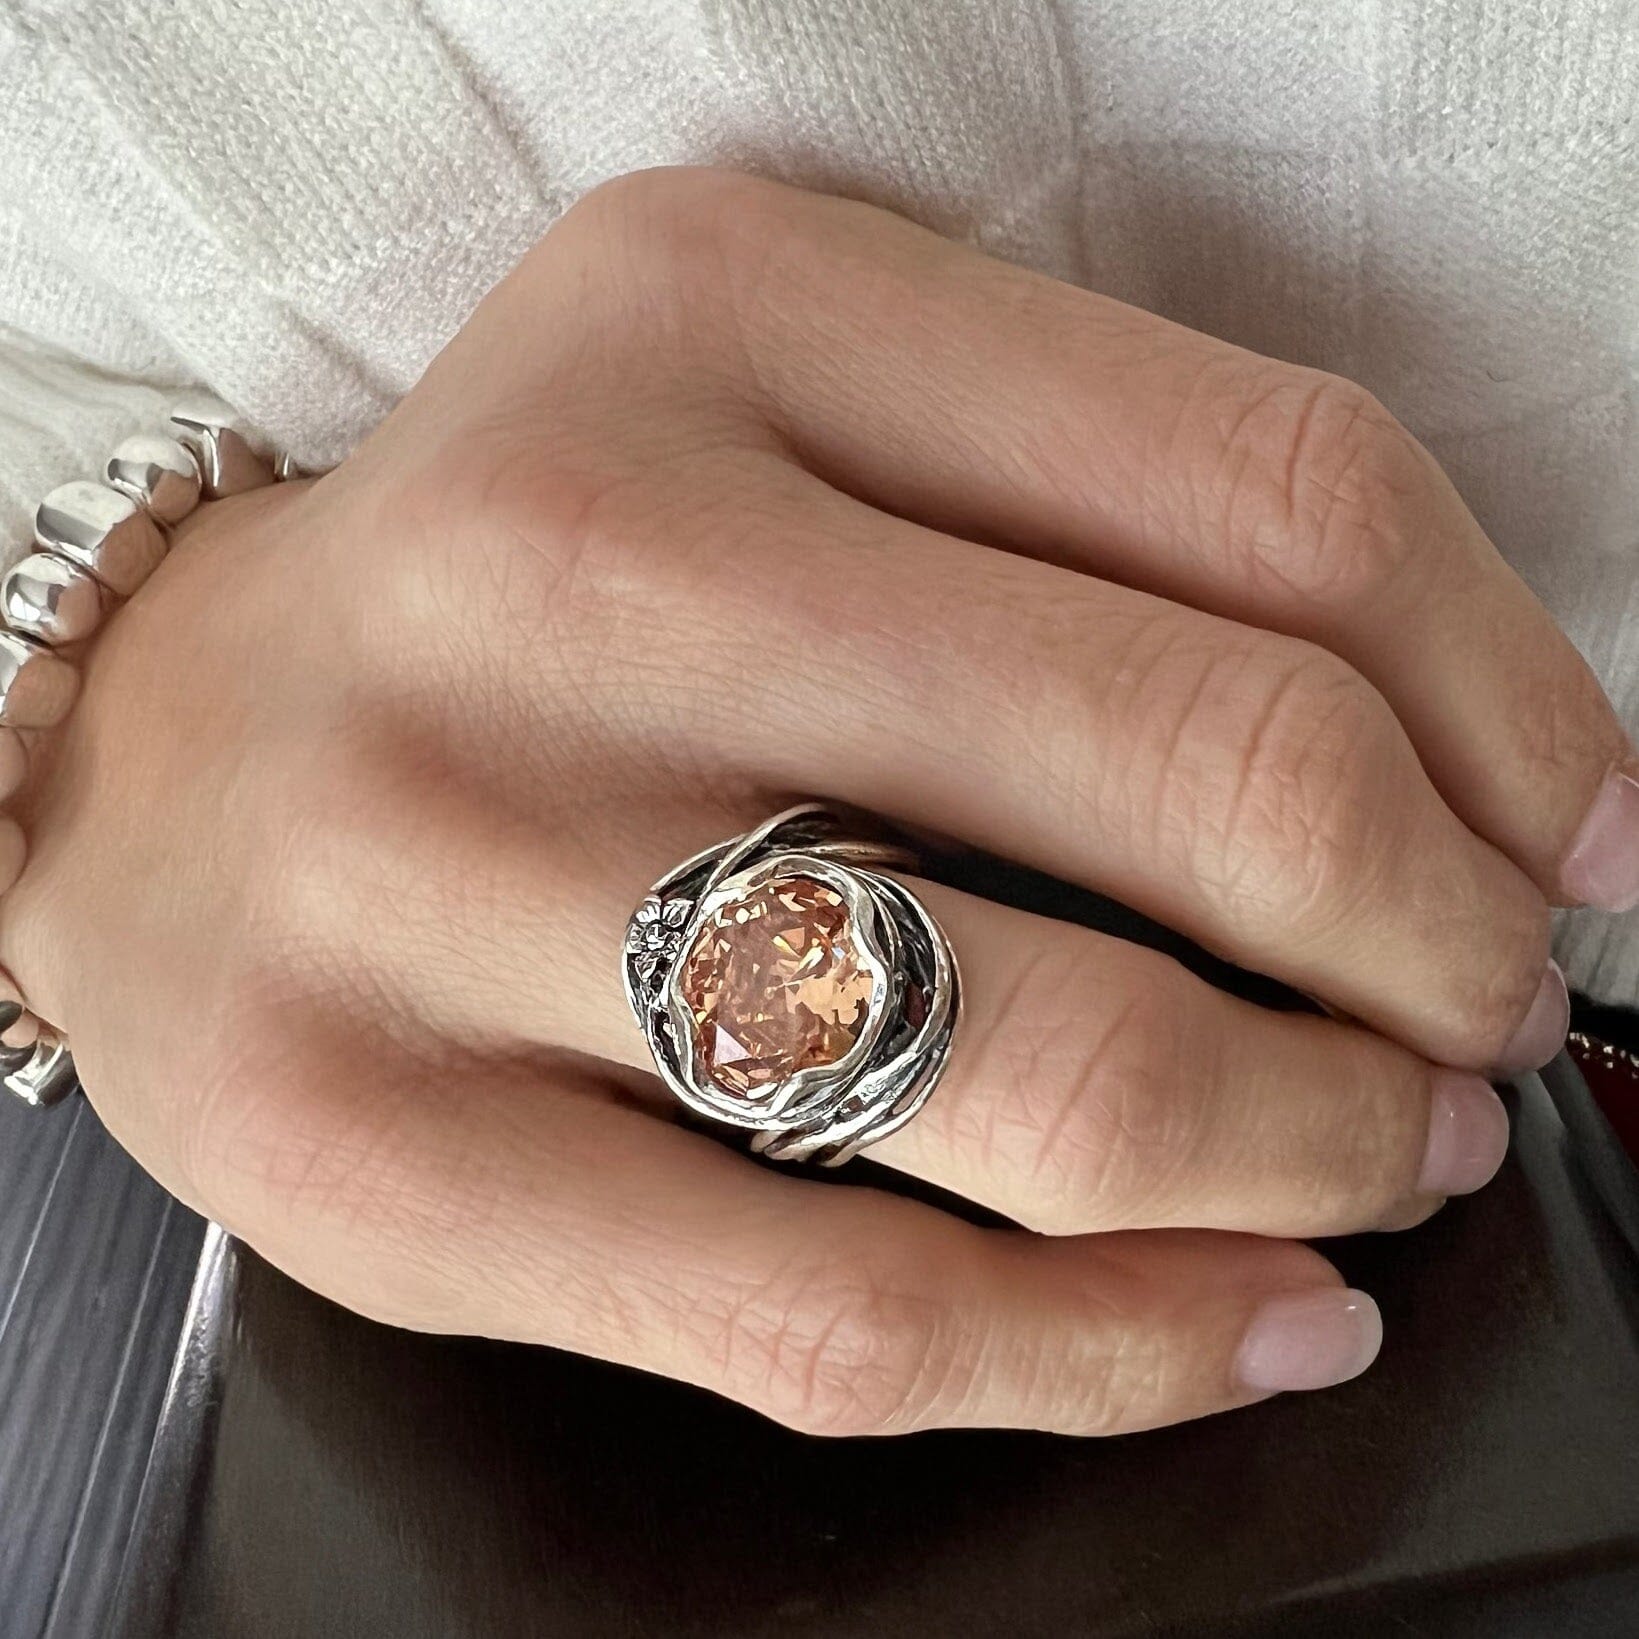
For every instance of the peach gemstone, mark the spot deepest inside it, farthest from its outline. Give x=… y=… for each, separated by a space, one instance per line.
x=775 y=983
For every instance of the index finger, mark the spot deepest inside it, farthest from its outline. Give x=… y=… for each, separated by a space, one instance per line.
x=543 y=1208
x=993 y=402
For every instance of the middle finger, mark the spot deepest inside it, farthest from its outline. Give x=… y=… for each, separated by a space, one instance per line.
x=1249 y=790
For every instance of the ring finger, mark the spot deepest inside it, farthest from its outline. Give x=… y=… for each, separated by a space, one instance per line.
x=1094 y=1084
x=1099 y=1085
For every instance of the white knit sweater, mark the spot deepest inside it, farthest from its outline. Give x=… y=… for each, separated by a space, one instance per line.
x=297 y=202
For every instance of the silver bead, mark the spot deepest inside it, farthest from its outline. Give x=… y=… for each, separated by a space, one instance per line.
x=42 y=1074
x=229 y=461
x=100 y=530
x=49 y=598
x=285 y=468
x=158 y=473
x=36 y=686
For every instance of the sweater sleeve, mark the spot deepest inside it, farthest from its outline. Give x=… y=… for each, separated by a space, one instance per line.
x=59 y=418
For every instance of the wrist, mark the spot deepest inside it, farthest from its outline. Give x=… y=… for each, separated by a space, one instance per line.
x=96 y=542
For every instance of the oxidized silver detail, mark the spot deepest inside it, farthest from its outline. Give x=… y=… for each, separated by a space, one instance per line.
x=100 y=530
x=160 y=474
x=51 y=599
x=827 y=1112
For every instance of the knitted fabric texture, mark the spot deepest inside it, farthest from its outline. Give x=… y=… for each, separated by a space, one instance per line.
x=297 y=203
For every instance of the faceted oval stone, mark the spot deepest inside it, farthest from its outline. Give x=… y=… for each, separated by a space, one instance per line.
x=775 y=983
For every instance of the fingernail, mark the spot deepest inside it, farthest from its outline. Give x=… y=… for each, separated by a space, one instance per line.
x=1545 y=1026
x=1309 y=1340
x=1467 y=1135
x=1602 y=868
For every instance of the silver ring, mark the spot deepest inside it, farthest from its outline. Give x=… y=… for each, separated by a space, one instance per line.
x=786 y=985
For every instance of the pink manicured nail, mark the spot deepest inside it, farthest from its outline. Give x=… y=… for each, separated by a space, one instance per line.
x=1309 y=1340
x=1602 y=868
x=1467 y=1135
x=1542 y=1032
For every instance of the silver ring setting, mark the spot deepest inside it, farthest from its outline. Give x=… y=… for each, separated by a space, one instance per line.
x=786 y=985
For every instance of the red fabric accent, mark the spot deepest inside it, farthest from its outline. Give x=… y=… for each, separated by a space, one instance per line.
x=1615 y=1084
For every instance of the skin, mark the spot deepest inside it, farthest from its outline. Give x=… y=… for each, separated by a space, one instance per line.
x=732 y=494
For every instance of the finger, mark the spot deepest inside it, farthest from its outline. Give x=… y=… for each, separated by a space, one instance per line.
x=1103 y=437
x=1099 y=1085
x=551 y=1214
x=1249 y=790
x=1094 y=1084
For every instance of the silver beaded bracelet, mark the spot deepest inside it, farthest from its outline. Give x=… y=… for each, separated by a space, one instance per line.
x=96 y=542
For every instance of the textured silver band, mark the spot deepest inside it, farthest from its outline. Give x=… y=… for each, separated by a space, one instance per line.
x=826 y=1112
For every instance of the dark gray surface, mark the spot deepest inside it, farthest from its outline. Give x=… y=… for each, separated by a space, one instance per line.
x=326 y=1478
x=313 y=1475
x=96 y=1263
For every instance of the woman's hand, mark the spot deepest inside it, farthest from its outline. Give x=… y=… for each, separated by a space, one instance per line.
x=733 y=493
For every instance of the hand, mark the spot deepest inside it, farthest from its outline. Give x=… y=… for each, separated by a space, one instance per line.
x=732 y=494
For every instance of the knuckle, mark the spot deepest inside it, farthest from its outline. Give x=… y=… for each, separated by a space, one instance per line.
x=1305 y=816
x=1326 y=492
x=638 y=195
x=671 y=199
x=295 y=1169
x=838 y=1352
x=1492 y=1005
x=540 y=548
x=1128 y=1384
x=1373 y=1140
x=1099 y=1113
x=577 y=541
x=493 y=488
x=676 y=234
x=626 y=224
x=269 y=1133
x=342 y=837
x=654 y=268
x=1568 y=734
